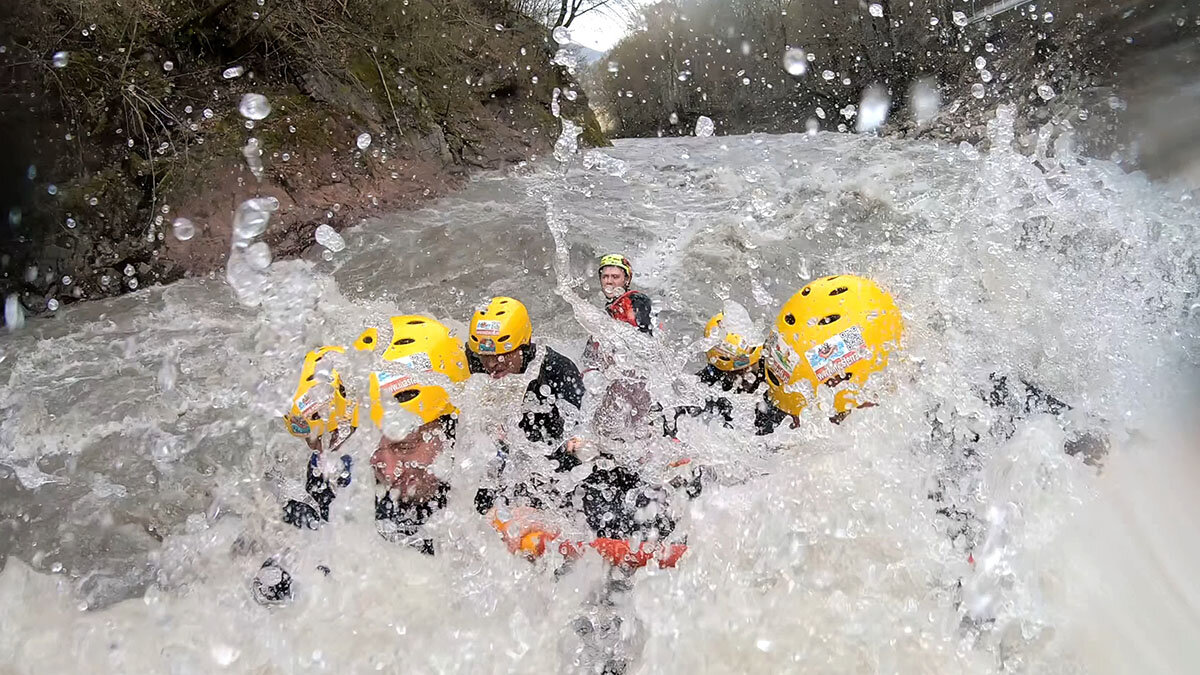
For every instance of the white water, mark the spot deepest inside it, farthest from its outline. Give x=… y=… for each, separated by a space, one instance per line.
x=819 y=552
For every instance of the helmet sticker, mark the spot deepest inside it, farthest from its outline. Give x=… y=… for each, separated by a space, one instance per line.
x=298 y=426
x=833 y=356
x=781 y=358
x=390 y=383
x=484 y=327
x=487 y=346
x=417 y=361
x=741 y=361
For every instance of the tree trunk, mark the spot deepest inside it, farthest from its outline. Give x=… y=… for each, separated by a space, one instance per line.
x=562 y=13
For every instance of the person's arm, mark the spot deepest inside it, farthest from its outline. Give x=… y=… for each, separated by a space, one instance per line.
x=642 y=309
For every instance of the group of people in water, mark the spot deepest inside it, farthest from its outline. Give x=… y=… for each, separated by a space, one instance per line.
x=827 y=342
x=834 y=333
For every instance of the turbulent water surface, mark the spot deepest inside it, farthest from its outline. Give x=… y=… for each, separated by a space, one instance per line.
x=143 y=458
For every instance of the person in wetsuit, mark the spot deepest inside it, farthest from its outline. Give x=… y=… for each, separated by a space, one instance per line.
x=408 y=493
x=836 y=332
x=622 y=303
x=501 y=344
x=734 y=366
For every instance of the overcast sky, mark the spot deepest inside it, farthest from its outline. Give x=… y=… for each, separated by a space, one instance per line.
x=600 y=29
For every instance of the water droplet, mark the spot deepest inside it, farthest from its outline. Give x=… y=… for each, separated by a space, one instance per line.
x=329 y=238
x=613 y=66
x=989 y=48
x=980 y=63
x=795 y=62
x=1048 y=17
x=1083 y=115
x=249 y=222
x=258 y=255
x=254 y=107
x=186 y=109
x=1045 y=91
x=94 y=201
x=704 y=127
x=129 y=271
x=960 y=19
x=571 y=94
x=52 y=189
x=873 y=110
x=168 y=66
x=876 y=10
x=71 y=223
x=828 y=75
x=967 y=150
x=66 y=280
x=977 y=90
x=499 y=26
x=61 y=59
x=820 y=112
x=327 y=254
x=363 y=141
x=812 y=126
x=985 y=75
x=562 y=35
x=232 y=72
x=132 y=282
x=14 y=314
x=52 y=304
x=183 y=229
x=745 y=80
x=674 y=118
x=208 y=113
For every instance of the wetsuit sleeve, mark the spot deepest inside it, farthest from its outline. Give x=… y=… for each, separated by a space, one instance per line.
x=1023 y=398
x=642 y=308
x=558 y=381
x=767 y=417
x=320 y=489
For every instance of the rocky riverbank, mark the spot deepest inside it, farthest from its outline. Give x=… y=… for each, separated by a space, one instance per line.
x=132 y=143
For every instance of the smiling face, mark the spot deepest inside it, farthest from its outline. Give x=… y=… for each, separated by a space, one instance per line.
x=613 y=281
x=404 y=464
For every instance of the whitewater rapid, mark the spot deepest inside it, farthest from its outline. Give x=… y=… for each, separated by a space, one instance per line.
x=140 y=440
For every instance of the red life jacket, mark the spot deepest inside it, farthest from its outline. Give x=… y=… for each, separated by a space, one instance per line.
x=621 y=308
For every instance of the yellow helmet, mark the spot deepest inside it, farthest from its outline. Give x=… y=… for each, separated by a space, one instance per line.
x=616 y=260
x=501 y=327
x=319 y=407
x=836 y=329
x=733 y=352
x=419 y=346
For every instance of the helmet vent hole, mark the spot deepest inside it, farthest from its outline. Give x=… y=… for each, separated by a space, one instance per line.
x=368 y=340
x=407 y=395
x=839 y=290
x=771 y=377
x=474 y=339
x=504 y=338
x=826 y=320
x=404 y=341
x=790 y=320
x=416 y=322
x=310 y=378
x=500 y=312
x=806 y=291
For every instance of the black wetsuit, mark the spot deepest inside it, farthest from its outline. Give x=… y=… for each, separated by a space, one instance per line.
x=558 y=380
x=744 y=382
x=404 y=518
x=634 y=308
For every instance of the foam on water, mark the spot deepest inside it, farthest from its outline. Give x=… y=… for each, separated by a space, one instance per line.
x=815 y=548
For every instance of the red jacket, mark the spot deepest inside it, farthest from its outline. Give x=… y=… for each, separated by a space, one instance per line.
x=633 y=307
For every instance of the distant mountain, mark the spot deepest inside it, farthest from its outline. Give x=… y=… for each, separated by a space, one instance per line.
x=587 y=55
